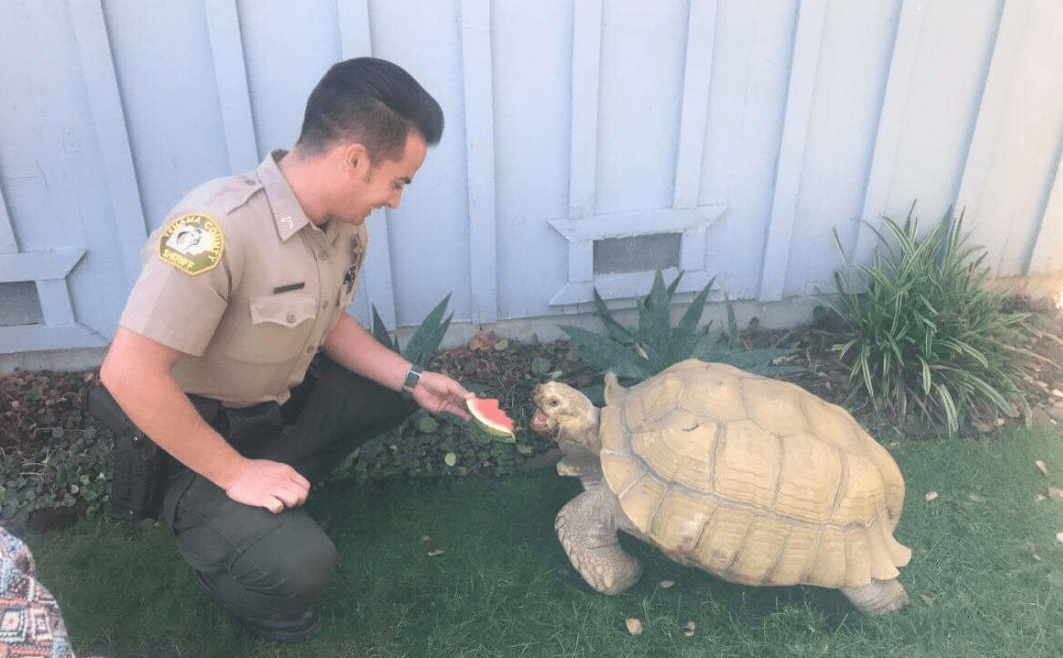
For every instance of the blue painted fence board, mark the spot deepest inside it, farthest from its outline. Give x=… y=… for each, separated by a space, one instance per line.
x=779 y=124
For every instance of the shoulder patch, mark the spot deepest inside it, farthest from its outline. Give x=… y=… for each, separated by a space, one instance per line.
x=193 y=243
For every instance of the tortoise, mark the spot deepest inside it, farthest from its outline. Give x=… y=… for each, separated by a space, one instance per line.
x=754 y=480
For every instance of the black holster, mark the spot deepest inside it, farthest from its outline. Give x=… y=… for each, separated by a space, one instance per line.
x=141 y=469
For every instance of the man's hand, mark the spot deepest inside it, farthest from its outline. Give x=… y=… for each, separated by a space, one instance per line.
x=351 y=346
x=440 y=394
x=269 y=484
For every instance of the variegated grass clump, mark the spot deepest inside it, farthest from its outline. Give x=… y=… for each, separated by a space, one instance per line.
x=931 y=339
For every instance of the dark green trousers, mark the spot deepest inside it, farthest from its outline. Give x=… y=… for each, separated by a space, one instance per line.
x=266 y=566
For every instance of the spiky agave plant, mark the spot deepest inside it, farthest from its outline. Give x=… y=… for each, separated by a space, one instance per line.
x=637 y=353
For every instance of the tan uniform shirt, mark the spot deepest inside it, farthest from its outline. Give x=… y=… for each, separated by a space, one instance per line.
x=250 y=318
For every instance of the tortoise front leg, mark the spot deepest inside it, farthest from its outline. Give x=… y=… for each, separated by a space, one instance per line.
x=587 y=528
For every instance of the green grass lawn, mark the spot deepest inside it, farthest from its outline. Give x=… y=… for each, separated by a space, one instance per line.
x=986 y=577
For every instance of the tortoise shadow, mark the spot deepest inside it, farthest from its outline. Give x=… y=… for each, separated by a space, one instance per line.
x=748 y=605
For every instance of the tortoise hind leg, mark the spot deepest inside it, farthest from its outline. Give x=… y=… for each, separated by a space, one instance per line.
x=879 y=597
x=587 y=528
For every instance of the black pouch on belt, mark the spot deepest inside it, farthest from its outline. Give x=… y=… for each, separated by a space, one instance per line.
x=250 y=429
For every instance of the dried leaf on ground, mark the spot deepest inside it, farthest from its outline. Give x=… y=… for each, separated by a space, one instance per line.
x=634 y=625
x=931 y=496
x=1041 y=466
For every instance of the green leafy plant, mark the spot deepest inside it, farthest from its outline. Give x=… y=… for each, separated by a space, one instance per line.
x=637 y=353
x=425 y=339
x=930 y=337
x=72 y=471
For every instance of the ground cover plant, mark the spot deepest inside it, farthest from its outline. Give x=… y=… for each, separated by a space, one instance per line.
x=474 y=569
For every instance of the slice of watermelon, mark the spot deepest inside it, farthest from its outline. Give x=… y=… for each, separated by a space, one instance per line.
x=490 y=417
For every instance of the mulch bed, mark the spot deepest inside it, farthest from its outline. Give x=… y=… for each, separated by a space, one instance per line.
x=42 y=409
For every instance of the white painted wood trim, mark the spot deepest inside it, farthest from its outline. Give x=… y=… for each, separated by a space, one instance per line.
x=1047 y=254
x=890 y=127
x=8 y=243
x=580 y=260
x=694 y=115
x=629 y=284
x=353 y=20
x=56 y=306
x=230 y=75
x=40 y=337
x=116 y=155
x=38 y=265
x=994 y=103
x=640 y=222
x=480 y=157
x=586 y=69
x=803 y=70
x=581 y=234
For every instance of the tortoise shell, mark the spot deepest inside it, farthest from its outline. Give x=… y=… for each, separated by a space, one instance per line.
x=752 y=479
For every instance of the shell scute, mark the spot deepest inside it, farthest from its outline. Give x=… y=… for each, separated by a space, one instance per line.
x=800 y=552
x=829 y=567
x=775 y=406
x=645 y=404
x=712 y=394
x=862 y=493
x=831 y=423
x=748 y=464
x=810 y=479
x=679 y=522
x=624 y=470
x=683 y=452
x=723 y=537
x=641 y=500
x=761 y=551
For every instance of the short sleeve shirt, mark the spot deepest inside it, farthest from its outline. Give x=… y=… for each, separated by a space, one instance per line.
x=249 y=316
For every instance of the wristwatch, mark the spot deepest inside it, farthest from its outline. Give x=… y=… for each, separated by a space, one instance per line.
x=412 y=377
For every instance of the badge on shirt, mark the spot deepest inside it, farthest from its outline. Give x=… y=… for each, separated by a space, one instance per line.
x=352 y=271
x=193 y=243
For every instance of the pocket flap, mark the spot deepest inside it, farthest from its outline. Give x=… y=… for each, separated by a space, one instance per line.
x=285 y=310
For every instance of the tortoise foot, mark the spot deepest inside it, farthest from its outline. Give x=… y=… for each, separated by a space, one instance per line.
x=590 y=541
x=878 y=598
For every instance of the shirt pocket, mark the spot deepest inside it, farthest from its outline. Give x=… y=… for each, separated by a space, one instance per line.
x=280 y=328
x=288 y=311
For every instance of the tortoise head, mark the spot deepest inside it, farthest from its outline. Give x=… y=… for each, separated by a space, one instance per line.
x=566 y=415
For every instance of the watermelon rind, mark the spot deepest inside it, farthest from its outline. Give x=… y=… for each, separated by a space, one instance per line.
x=487 y=425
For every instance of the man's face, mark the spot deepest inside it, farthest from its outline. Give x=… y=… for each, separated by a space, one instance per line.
x=369 y=185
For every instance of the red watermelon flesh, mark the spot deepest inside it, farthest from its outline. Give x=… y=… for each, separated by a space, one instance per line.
x=488 y=414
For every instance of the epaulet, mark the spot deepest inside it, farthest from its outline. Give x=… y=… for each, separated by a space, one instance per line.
x=236 y=192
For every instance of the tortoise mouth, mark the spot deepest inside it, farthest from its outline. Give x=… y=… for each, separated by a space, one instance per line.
x=543 y=424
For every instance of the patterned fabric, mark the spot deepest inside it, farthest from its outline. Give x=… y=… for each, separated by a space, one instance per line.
x=30 y=623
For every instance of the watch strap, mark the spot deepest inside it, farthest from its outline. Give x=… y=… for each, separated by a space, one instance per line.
x=413 y=376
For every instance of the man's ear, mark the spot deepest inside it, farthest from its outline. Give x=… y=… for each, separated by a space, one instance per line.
x=356 y=160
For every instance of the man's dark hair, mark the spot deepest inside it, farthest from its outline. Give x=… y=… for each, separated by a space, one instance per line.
x=372 y=102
